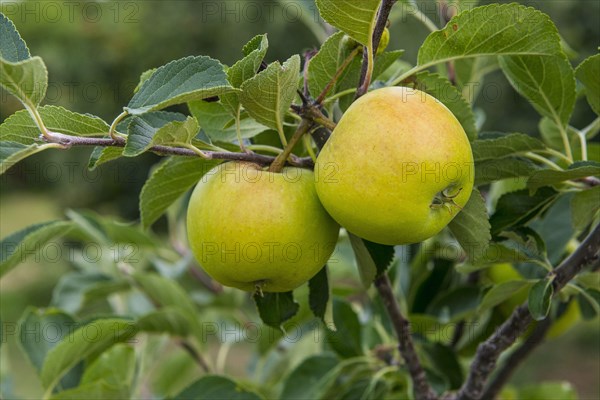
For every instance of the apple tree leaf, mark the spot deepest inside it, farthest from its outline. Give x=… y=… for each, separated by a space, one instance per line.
x=372 y=259
x=101 y=155
x=502 y=292
x=585 y=206
x=27 y=80
x=276 y=308
x=540 y=296
x=490 y=148
x=550 y=177
x=268 y=95
x=306 y=381
x=216 y=387
x=319 y=297
x=519 y=207
x=187 y=79
x=116 y=367
x=471 y=227
x=587 y=73
x=346 y=340
x=356 y=18
x=17 y=247
x=174 y=177
x=12 y=46
x=502 y=168
x=12 y=152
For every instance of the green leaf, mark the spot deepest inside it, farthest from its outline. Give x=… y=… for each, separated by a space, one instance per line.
x=549 y=391
x=319 y=297
x=470 y=73
x=550 y=177
x=445 y=361
x=40 y=331
x=101 y=155
x=214 y=120
x=587 y=72
x=518 y=208
x=143 y=78
x=547 y=82
x=12 y=46
x=159 y=128
x=504 y=146
x=373 y=259
x=540 y=297
x=346 y=340
x=585 y=206
x=502 y=292
x=306 y=381
x=174 y=177
x=268 y=95
x=508 y=29
x=589 y=303
x=502 y=168
x=76 y=288
x=589 y=280
x=21 y=128
x=180 y=81
x=254 y=52
x=356 y=18
x=90 y=339
x=12 y=152
x=116 y=367
x=551 y=134
x=324 y=65
x=213 y=387
x=168 y=319
x=443 y=90
x=471 y=227
x=22 y=244
x=27 y=80
x=276 y=308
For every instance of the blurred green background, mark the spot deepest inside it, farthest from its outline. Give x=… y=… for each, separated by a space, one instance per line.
x=95 y=52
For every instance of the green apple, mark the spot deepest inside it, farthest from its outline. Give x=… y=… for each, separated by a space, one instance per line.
x=397 y=168
x=253 y=229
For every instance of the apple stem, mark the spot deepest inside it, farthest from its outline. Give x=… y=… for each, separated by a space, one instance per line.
x=281 y=159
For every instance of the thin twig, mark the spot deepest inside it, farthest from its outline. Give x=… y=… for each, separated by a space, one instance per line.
x=281 y=159
x=382 y=18
x=195 y=355
x=68 y=141
x=422 y=390
x=505 y=336
x=516 y=358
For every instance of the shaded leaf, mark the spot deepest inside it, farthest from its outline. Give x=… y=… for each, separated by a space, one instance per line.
x=12 y=152
x=12 y=46
x=587 y=72
x=471 y=227
x=276 y=308
x=502 y=168
x=372 y=259
x=502 y=292
x=213 y=387
x=585 y=206
x=550 y=177
x=504 y=146
x=518 y=208
x=319 y=297
x=306 y=381
x=356 y=18
x=27 y=80
x=346 y=340
x=540 y=297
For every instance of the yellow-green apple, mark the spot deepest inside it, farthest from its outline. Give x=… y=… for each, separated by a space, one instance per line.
x=397 y=168
x=254 y=229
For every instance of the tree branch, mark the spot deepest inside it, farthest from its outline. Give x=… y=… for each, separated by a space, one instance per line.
x=382 y=18
x=68 y=141
x=506 y=335
x=422 y=389
x=516 y=358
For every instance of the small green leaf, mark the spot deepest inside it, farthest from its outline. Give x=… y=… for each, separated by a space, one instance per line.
x=72 y=290
x=502 y=168
x=373 y=259
x=356 y=18
x=93 y=391
x=168 y=182
x=319 y=297
x=12 y=152
x=88 y=340
x=443 y=90
x=502 y=292
x=167 y=319
x=587 y=72
x=346 y=340
x=455 y=304
x=27 y=80
x=445 y=361
x=152 y=130
x=143 y=78
x=180 y=81
x=215 y=122
x=504 y=146
x=585 y=206
x=116 y=367
x=507 y=29
x=589 y=303
x=540 y=297
x=550 y=177
x=307 y=380
x=268 y=95
x=40 y=331
x=518 y=208
x=12 y=46
x=18 y=246
x=551 y=134
x=101 y=155
x=471 y=227
x=213 y=387
x=21 y=128
x=276 y=308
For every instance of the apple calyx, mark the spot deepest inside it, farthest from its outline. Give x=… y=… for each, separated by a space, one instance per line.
x=445 y=199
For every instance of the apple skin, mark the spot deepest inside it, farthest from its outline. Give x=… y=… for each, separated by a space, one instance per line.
x=248 y=227
x=393 y=151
